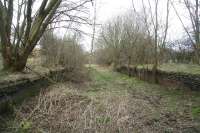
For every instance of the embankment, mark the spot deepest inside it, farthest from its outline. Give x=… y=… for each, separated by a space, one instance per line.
x=15 y=88
x=174 y=79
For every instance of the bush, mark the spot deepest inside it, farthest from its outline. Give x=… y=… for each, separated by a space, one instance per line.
x=64 y=52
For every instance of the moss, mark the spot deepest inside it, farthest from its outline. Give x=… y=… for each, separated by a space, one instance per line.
x=196 y=112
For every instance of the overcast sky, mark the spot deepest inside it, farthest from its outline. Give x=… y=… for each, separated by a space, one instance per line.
x=107 y=9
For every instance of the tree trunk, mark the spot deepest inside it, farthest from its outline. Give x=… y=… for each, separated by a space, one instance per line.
x=154 y=71
x=129 y=65
x=14 y=64
x=197 y=56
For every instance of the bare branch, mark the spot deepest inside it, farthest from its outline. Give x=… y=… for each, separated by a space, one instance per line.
x=186 y=30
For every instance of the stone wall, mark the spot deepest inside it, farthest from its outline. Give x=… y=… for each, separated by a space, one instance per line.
x=17 y=87
x=174 y=79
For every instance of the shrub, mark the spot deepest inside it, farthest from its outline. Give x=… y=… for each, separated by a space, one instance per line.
x=65 y=52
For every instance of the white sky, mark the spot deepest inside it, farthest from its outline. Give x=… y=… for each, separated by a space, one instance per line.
x=106 y=9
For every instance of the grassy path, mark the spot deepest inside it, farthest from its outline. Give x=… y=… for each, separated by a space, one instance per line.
x=111 y=103
x=148 y=107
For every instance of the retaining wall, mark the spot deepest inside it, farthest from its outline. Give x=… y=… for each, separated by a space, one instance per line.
x=190 y=81
x=25 y=85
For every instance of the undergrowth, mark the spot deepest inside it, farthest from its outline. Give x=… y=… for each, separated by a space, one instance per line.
x=109 y=102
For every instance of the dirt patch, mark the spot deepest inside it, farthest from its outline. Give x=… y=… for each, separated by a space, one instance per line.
x=152 y=116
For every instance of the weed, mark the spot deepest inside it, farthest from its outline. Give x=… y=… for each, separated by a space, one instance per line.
x=24 y=127
x=196 y=112
x=111 y=102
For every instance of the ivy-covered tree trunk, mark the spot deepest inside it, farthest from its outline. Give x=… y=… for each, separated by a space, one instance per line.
x=14 y=63
x=197 y=55
x=18 y=40
x=20 y=35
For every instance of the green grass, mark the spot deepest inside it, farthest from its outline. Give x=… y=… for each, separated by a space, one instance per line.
x=196 y=111
x=105 y=82
x=173 y=67
x=137 y=100
x=1 y=64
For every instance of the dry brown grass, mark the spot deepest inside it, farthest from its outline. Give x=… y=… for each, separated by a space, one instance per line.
x=64 y=110
x=110 y=103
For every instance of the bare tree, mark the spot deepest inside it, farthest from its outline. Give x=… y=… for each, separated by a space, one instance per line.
x=192 y=7
x=154 y=27
x=23 y=22
x=93 y=31
x=124 y=41
x=112 y=35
